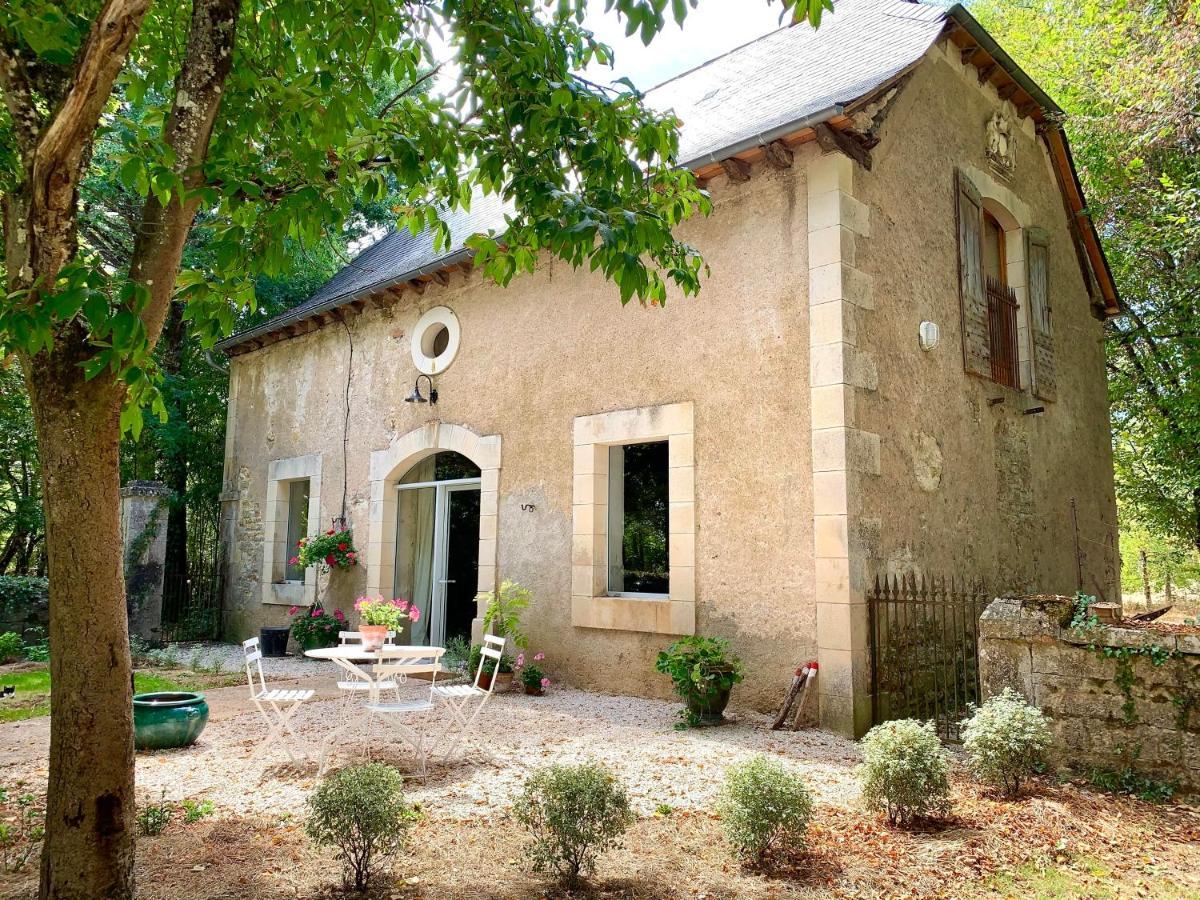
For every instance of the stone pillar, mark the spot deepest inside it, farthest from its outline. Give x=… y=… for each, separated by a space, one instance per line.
x=843 y=455
x=144 y=550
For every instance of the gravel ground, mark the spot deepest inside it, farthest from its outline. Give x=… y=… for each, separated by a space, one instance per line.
x=201 y=656
x=634 y=737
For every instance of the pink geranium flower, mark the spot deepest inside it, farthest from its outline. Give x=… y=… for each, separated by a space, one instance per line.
x=293 y=610
x=545 y=683
x=339 y=615
x=414 y=614
x=538 y=657
x=294 y=561
x=521 y=660
x=317 y=613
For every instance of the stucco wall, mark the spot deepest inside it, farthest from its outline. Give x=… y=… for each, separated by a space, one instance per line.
x=555 y=345
x=966 y=488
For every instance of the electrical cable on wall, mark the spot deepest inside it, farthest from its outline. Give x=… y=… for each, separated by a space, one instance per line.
x=346 y=420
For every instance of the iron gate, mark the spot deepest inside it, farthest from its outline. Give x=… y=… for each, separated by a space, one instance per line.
x=925 y=650
x=192 y=593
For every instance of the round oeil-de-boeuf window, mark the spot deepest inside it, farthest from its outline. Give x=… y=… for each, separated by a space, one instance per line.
x=435 y=340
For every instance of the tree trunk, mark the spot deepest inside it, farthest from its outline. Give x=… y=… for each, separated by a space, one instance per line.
x=90 y=809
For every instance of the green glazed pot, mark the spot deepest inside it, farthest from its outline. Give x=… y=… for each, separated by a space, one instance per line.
x=168 y=719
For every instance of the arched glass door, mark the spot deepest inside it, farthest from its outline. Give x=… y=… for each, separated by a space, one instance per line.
x=437 y=547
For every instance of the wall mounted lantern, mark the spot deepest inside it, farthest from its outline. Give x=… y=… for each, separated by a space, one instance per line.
x=417 y=397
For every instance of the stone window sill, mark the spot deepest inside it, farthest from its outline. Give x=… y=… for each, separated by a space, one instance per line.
x=286 y=593
x=645 y=614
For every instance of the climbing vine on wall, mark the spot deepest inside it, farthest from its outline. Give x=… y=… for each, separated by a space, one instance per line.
x=140 y=577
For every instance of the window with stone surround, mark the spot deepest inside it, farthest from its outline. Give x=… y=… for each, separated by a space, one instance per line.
x=634 y=512
x=297 y=526
x=293 y=511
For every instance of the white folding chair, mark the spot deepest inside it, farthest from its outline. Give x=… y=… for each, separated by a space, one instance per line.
x=458 y=697
x=356 y=684
x=276 y=705
x=399 y=670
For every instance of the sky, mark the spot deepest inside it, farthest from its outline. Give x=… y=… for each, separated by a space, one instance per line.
x=713 y=28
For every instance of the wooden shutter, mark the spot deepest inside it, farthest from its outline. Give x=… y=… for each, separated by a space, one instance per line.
x=977 y=355
x=1037 y=249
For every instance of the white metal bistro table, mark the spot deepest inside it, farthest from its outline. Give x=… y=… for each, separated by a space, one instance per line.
x=351 y=657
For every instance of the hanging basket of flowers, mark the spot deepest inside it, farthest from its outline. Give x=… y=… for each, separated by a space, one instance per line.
x=332 y=550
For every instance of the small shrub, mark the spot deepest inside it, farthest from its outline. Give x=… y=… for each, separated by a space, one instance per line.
x=152 y=819
x=1006 y=741
x=195 y=810
x=765 y=809
x=663 y=810
x=360 y=811
x=905 y=771
x=574 y=813
x=502 y=615
x=1134 y=783
x=37 y=650
x=24 y=599
x=21 y=833
x=11 y=647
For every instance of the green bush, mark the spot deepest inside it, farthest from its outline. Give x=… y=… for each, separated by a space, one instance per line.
x=37 y=650
x=905 y=771
x=11 y=647
x=476 y=656
x=195 y=810
x=765 y=809
x=24 y=598
x=360 y=811
x=1006 y=741
x=503 y=613
x=153 y=818
x=574 y=813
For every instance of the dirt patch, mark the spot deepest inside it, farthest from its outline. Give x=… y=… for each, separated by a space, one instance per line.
x=1140 y=849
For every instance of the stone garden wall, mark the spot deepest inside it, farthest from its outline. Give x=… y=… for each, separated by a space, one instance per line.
x=1118 y=697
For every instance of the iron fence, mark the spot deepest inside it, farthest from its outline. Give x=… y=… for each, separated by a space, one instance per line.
x=193 y=587
x=925 y=650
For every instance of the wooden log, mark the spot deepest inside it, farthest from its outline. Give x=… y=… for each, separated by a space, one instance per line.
x=968 y=53
x=798 y=677
x=832 y=140
x=441 y=277
x=1008 y=90
x=986 y=72
x=810 y=690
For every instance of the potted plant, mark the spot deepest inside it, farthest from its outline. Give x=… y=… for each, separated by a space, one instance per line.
x=703 y=671
x=503 y=677
x=502 y=615
x=531 y=676
x=378 y=617
x=313 y=627
x=332 y=550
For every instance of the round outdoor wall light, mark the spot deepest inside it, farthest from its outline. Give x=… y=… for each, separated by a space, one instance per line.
x=928 y=335
x=435 y=340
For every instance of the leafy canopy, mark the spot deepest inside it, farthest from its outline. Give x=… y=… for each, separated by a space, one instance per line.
x=587 y=172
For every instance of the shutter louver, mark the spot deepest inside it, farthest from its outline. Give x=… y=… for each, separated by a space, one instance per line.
x=977 y=355
x=1037 y=249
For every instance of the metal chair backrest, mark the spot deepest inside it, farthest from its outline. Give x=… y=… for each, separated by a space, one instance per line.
x=398 y=668
x=492 y=649
x=254 y=659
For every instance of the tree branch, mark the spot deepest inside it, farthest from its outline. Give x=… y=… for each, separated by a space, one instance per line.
x=66 y=138
x=163 y=230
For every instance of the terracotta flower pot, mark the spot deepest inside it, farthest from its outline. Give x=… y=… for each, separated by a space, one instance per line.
x=504 y=681
x=373 y=636
x=534 y=690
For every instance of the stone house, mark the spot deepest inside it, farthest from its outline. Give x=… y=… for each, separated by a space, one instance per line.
x=896 y=365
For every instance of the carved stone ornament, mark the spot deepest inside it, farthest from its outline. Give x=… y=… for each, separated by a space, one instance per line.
x=1001 y=150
